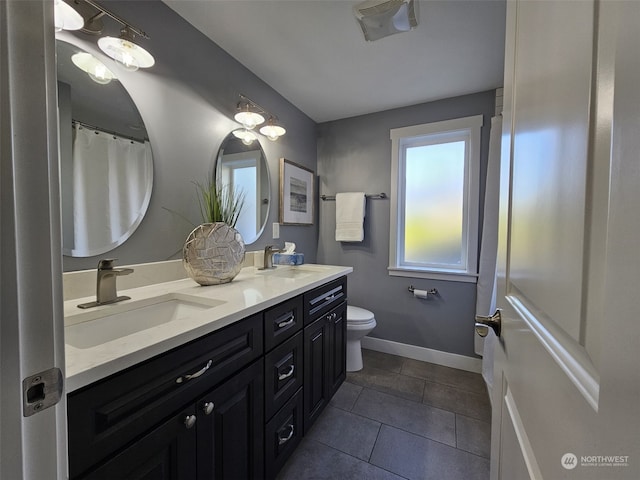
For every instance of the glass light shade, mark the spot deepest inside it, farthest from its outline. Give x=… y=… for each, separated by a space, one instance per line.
x=249 y=119
x=127 y=53
x=97 y=70
x=66 y=17
x=272 y=131
x=245 y=135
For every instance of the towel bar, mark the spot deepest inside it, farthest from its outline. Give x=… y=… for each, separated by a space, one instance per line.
x=368 y=195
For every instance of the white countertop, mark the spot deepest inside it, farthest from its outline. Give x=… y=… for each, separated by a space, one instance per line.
x=252 y=291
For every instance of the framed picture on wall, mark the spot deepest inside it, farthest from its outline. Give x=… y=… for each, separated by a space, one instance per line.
x=296 y=194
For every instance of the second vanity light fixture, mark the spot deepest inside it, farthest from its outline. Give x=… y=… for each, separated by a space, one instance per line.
x=251 y=115
x=122 y=49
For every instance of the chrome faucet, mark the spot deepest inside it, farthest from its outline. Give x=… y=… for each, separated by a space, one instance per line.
x=268 y=257
x=106 y=284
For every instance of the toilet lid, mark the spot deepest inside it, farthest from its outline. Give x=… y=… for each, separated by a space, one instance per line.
x=358 y=315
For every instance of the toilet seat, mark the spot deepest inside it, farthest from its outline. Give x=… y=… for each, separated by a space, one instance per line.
x=358 y=316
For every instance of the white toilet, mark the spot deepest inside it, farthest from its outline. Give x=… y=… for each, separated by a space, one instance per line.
x=359 y=323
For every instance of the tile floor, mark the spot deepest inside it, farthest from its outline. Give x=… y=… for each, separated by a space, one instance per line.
x=399 y=418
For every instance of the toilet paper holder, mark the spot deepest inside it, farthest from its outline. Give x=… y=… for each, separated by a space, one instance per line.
x=433 y=291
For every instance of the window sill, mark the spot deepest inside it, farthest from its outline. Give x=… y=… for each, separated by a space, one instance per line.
x=451 y=276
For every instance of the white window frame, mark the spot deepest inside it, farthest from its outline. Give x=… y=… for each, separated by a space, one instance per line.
x=467 y=129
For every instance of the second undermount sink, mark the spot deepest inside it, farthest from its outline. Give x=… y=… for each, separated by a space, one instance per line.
x=118 y=321
x=298 y=271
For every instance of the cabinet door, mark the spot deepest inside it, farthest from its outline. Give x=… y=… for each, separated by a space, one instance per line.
x=338 y=347
x=231 y=428
x=167 y=452
x=316 y=370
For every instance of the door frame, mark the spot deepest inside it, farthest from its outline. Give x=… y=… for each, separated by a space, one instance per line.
x=31 y=299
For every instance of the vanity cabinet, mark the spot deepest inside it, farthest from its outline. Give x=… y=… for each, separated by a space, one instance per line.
x=233 y=404
x=325 y=336
x=117 y=411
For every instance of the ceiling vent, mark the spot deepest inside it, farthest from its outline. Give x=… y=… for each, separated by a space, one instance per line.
x=381 y=18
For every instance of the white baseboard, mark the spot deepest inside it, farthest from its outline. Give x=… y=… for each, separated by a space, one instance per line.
x=423 y=354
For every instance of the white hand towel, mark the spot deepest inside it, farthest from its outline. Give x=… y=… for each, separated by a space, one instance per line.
x=350 y=216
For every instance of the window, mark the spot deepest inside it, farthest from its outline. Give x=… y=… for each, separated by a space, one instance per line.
x=434 y=200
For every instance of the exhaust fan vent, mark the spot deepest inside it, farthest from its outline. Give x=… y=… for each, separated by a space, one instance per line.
x=381 y=18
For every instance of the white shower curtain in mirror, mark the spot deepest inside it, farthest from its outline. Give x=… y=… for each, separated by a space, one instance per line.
x=486 y=287
x=107 y=173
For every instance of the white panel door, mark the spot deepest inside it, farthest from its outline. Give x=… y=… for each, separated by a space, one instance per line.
x=566 y=400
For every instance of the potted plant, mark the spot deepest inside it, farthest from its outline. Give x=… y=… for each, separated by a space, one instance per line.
x=213 y=252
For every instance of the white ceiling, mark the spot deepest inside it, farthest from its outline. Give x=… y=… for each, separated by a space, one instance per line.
x=314 y=54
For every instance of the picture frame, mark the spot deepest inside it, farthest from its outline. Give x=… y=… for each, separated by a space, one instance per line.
x=296 y=193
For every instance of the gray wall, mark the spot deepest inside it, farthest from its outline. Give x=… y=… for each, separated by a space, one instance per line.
x=187 y=101
x=355 y=155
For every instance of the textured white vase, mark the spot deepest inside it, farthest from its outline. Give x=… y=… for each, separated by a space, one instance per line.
x=213 y=253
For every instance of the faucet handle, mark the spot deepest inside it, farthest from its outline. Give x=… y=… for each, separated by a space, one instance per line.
x=106 y=263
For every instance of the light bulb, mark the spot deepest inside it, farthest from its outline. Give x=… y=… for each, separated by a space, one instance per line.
x=272 y=131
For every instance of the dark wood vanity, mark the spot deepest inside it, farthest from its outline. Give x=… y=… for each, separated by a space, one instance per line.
x=233 y=404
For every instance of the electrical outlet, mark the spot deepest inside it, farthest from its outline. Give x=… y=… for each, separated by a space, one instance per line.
x=276 y=230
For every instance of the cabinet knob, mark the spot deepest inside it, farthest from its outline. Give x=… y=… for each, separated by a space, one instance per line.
x=189 y=421
x=208 y=407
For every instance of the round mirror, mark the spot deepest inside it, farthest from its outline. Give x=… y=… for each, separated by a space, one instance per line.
x=244 y=168
x=106 y=165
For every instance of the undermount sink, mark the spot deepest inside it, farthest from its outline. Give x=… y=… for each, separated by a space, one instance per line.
x=118 y=321
x=297 y=271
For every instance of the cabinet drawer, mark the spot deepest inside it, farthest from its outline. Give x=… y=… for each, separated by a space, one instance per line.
x=108 y=414
x=282 y=321
x=320 y=300
x=282 y=373
x=282 y=435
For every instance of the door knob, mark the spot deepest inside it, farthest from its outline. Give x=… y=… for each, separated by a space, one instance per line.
x=483 y=323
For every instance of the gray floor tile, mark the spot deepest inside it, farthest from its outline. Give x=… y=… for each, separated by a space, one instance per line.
x=389 y=382
x=414 y=417
x=473 y=435
x=418 y=458
x=475 y=405
x=346 y=432
x=315 y=461
x=472 y=382
x=383 y=361
x=346 y=396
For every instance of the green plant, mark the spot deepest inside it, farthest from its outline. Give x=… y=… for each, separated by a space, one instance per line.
x=219 y=203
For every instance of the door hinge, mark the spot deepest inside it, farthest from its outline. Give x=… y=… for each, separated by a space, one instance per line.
x=41 y=391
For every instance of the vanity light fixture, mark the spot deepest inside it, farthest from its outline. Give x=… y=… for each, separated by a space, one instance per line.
x=250 y=115
x=122 y=49
x=272 y=130
x=66 y=17
x=97 y=71
x=247 y=136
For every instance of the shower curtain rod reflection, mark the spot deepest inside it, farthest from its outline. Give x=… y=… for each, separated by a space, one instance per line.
x=110 y=132
x=368 y=195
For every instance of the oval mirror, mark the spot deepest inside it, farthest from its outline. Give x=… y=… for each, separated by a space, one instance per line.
x=106 y=165
x=244 y=168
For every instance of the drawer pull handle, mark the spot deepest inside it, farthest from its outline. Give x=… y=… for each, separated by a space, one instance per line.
x=208 y=407
x=283 y=376
x=330 y=297
x=283 y=440
x=288 y=321
x=196 y=374
x=189 y=421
